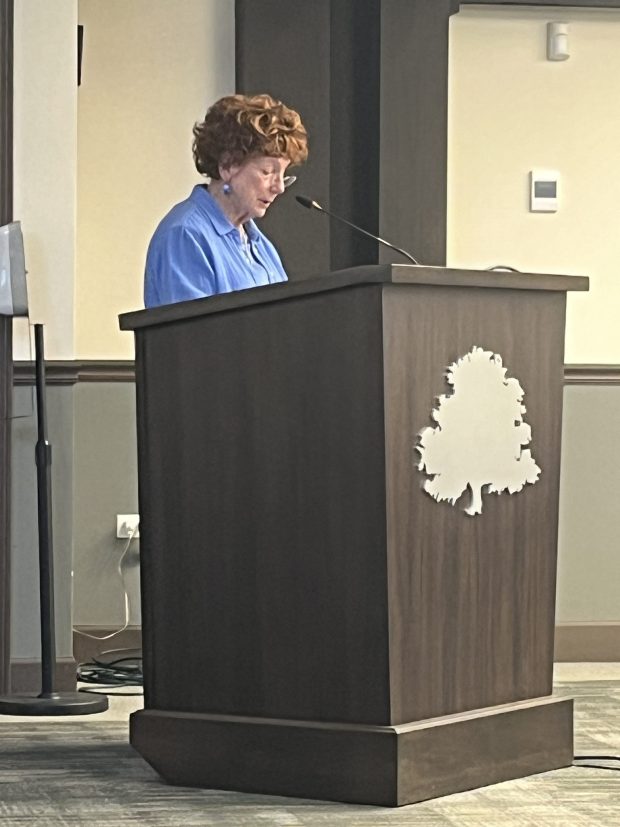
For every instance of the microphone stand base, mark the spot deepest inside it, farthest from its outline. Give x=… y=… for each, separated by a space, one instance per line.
x=53 y=703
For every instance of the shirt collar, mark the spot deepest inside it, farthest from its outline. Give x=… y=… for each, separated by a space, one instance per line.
x=222 y=225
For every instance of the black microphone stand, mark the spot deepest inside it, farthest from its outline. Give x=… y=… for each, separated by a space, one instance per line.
x=314 y=205
x=49 y=701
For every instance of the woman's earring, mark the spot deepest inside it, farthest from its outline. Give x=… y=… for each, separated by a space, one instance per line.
x=226 y=189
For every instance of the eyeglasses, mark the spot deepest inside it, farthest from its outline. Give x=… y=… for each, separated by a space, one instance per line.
x=274 y=175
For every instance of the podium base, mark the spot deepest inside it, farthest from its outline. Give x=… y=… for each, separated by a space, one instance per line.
x=54 y=703
x=381 y=765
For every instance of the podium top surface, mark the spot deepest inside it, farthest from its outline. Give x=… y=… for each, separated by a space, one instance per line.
x=371 y=274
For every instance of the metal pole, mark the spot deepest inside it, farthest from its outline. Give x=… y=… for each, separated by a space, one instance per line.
x=43 y=458
x=50 y=701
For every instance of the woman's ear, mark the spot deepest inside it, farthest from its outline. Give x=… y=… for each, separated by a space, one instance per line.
x=226 y=168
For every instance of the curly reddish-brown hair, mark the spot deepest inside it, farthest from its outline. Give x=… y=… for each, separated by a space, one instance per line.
x=238 y=127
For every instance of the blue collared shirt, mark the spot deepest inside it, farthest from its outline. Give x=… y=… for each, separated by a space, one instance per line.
x=196 y=251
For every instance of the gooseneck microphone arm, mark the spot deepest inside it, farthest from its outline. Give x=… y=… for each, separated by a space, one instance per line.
x=314 y=205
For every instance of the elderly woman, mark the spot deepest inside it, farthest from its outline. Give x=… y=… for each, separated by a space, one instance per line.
x=209 y=243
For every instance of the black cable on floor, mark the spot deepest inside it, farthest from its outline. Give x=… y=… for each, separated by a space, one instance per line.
x=111 y=674
x=597 y=758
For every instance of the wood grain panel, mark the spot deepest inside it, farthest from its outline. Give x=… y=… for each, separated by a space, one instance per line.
x=471 y=598
x=263 y=510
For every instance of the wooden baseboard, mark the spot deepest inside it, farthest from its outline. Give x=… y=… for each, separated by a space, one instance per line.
x=574 y=642
x=381 y=765
x=587 y=642
x=26 y=675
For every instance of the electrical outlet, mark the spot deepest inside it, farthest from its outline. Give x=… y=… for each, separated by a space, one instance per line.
x=127 y=525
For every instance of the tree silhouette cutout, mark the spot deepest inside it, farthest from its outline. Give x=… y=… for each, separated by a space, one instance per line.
x=479 y=435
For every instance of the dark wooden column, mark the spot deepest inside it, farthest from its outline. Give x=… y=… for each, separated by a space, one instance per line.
x=6 y=339
x=414 y=127
x=370 y=79
x=284 y=49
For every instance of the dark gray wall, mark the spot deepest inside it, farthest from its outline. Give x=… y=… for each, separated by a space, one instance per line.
x=589 y=562
x=25 y=636
x=105 y=480
x=92 y=433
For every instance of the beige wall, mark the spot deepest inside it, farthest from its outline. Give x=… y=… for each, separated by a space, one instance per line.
x=45 y=147
x=96 y=168
x=150 y=69
x=512 y=110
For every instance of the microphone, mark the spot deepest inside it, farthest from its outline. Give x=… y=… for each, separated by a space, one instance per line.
x=314 y=205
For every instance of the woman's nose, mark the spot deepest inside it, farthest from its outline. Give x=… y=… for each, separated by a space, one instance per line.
x=277 y=183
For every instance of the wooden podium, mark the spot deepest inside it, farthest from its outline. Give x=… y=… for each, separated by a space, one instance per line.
x=314 y=623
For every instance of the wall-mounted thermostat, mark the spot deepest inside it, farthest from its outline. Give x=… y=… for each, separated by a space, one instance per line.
x=543 y=190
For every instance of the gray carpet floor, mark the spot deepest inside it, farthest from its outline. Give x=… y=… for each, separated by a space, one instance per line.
x=80 y=773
